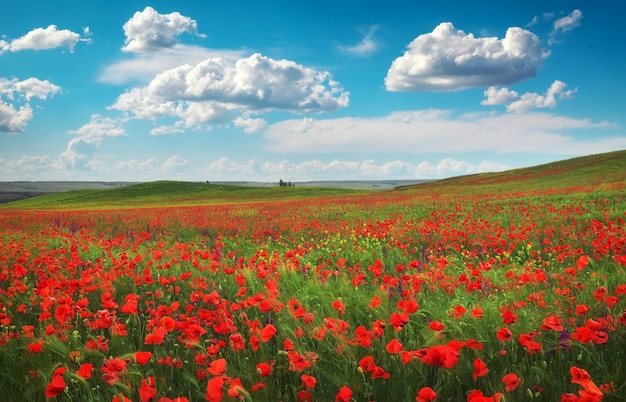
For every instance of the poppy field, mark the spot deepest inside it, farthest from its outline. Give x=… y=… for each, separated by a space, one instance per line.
x=396 y=295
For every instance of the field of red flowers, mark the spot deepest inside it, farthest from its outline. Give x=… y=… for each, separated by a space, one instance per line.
x=395 y=295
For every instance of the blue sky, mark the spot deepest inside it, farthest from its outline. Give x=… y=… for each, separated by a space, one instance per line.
x=305 y=90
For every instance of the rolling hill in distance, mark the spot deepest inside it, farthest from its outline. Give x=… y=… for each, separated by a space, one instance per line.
x=600 y=169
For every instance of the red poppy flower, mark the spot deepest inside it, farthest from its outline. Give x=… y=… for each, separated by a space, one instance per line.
x=236 y=390
x=308 y=381
x=552 y=323
x=394 y=346
x=339 y=307
x=459 y=311
x=268 y=332
x=142 y=357
x=147 y=391
x=304 y=395
x=579 y=376
x=217 y=367
x=426 y=394
x=436 y=325
x=375 y=302
x=57 y=384
x=344 y=394
x=35 y=347
x=85 y=371
x=509 y=317
x=511 y=381
x=480 y=368
x=478 y=396
x=264 y=369
x=504 y=334
x=214 y=389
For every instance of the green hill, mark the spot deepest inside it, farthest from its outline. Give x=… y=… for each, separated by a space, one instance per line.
x=594 y=170
x=171 y=193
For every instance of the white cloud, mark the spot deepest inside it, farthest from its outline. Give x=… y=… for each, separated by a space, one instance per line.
x=316 y=169
x=569 y=22
x=148 y=31
x=366 y=47
x=12 y=119
x=516 y=103
x=166 y=130
x=439 y=131
x=250 y=125
x=448 y=59
x=227 y=169
x=87 y=138
x=145 y=66
x=207 y=91
x=15 y=97
x=42 y=39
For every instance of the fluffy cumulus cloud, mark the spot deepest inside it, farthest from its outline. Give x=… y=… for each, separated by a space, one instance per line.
x=42 y=39
x=148 y=31
x=250 y=124
x=565 y=24
x=87 y=139
x=143 y=67
x=516 y=103
x=15 y=99
x=448 y=59
x=439 y=131
x=568 y=22
x=207 y=91
x=366 y=47
x=316 y=169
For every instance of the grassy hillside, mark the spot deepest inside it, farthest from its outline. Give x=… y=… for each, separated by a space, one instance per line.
x=171 y=193
x=595 y=169
x=587 y=170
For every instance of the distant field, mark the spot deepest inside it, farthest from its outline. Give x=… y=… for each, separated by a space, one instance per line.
x=19 y=190
x=593 y=170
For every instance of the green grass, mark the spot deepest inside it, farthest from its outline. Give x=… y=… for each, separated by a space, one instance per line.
x=607 y=168
x=162 y=193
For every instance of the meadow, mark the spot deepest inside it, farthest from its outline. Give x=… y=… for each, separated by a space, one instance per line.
x=501 y=287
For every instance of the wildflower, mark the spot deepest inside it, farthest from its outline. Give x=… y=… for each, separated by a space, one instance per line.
x=264 y=369
x=214 y=389
x=268 y=332
x=339 y=307
x=509 y=317
x=217 y=367
x=458 y=312
x=511 y=381
x=375 y=302
x=436 y=325
x=142 y=357
x=304 y=395
x=553 y=323
x=85 y=371
x=480 y=368
x=147 y=391
x=57 y=384
x=579 y=376
x=308 y=381
x=236 y=389
x=477 y=396
x=426 y=394
x=581 y=310
x=394 y=346
x=35 y=347
x=344 y=394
